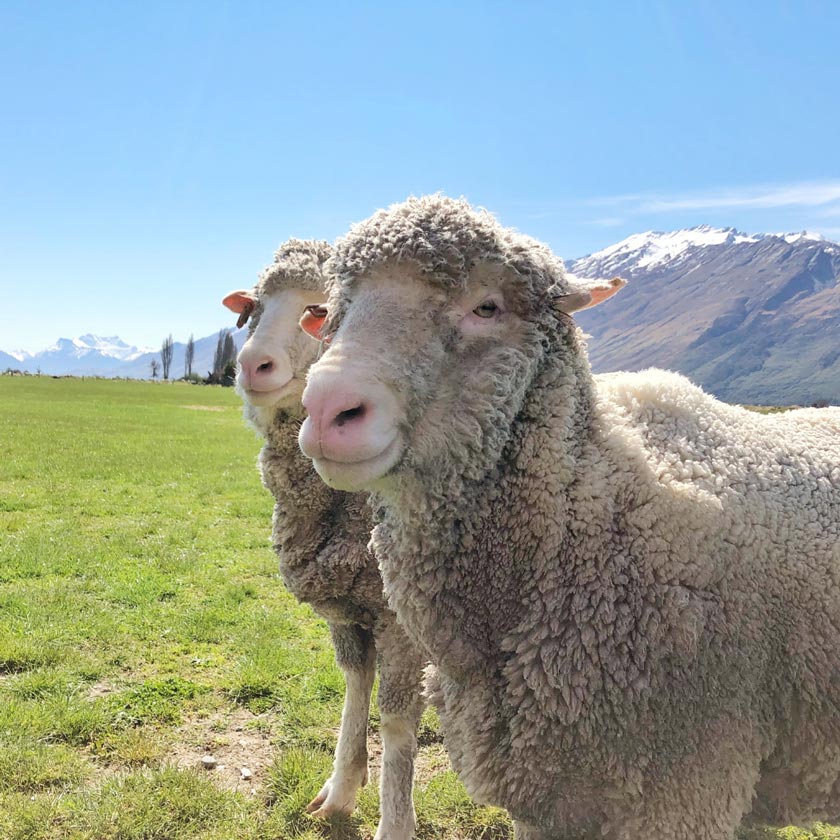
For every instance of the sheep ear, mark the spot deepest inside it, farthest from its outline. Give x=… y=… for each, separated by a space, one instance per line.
x=242 y=302
x=239 y=301
x=588 y=297
x=313 y=319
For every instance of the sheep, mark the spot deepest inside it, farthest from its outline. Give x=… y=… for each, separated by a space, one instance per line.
x=629 y=590
x=320 y=536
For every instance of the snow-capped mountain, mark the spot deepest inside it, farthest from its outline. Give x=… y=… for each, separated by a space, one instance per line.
x=112 y=346
x=85 y=355
x=87 y=349
x=655 y=248
x=751 y=317
x=91 y=355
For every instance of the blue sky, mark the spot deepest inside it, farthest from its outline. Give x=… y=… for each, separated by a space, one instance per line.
x=153 y=155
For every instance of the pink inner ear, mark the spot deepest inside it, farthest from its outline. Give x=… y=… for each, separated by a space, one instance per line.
x=602 y=293
x=239 y=302
x=313 y=320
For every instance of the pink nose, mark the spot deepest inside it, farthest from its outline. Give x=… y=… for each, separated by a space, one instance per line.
x=256 y=371
x=341 y=426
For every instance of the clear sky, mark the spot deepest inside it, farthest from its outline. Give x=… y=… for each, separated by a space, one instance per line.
x=153 y=155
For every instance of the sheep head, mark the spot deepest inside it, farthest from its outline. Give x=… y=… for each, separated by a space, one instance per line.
x=273 y=361
x=439 y=320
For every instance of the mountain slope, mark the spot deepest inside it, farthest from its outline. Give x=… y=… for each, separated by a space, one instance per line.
x=754 y=318
x=8 y=361
x=751 y=318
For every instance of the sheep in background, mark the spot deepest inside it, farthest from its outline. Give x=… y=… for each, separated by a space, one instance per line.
x=321 y=536
x=630 y=591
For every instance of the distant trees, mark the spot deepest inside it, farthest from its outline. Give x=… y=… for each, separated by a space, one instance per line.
x=189 y=357
x=166 y=352
x=224 y=360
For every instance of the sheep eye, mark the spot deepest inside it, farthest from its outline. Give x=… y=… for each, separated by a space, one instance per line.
x=486 y=310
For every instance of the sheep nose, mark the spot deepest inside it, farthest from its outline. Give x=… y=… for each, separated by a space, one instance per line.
x=256 y=370
x=338 y=426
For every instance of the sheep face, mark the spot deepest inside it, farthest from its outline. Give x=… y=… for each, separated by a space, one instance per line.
x=272 y=364
x=273 y=361
x=420 y=378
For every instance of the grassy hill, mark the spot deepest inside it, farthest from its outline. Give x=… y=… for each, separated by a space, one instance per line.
x=144 y=627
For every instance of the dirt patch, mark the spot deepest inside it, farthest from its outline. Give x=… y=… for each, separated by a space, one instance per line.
x=240 y=739
x=431 y=760
x=236 y=740
x=102 y=688
x=204 y=407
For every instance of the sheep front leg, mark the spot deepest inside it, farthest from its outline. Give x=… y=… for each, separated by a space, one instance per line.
x=400 y=707
x=356 y=656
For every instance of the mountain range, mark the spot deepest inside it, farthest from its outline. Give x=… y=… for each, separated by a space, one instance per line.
x=753 y=318
x=91 y=355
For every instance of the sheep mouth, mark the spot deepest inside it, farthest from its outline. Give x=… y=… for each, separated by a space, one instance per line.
x=353 y=476
x=266 y=399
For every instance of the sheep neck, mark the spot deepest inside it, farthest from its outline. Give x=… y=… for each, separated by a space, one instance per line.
x=458 y=567
x=305 y=509
x=320 y=535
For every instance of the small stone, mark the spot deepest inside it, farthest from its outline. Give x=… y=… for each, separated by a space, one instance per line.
x=208 y=762
x=246 y=773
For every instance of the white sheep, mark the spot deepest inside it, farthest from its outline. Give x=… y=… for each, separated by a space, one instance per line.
x=321 y=536
x=631 y=591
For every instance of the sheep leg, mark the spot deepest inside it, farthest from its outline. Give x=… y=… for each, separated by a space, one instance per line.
x=400 y=707
x=356 y=656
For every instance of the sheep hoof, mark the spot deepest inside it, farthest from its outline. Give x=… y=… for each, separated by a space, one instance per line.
x=395 y=832
x=337 y=797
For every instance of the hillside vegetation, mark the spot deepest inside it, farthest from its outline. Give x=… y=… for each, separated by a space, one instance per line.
x=144 y=627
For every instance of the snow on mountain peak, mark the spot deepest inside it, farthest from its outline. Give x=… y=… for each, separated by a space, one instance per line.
x=656 y=247
x=84 y=345
x=790 y=238
x=93 y=355
x=112 y=346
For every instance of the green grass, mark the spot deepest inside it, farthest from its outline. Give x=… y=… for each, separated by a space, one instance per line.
x=143 y=625
x=768 y=409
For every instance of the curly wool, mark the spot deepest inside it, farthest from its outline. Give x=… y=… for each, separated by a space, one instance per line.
x=320 y=537
x=298 y=264
x=633 y=601
x=445 y=238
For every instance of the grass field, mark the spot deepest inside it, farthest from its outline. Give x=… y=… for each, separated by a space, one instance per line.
x=143 y=626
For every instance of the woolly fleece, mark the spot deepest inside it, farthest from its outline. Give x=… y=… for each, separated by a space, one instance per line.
x=298 y=264
x=631 y=591
x=320 y=537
